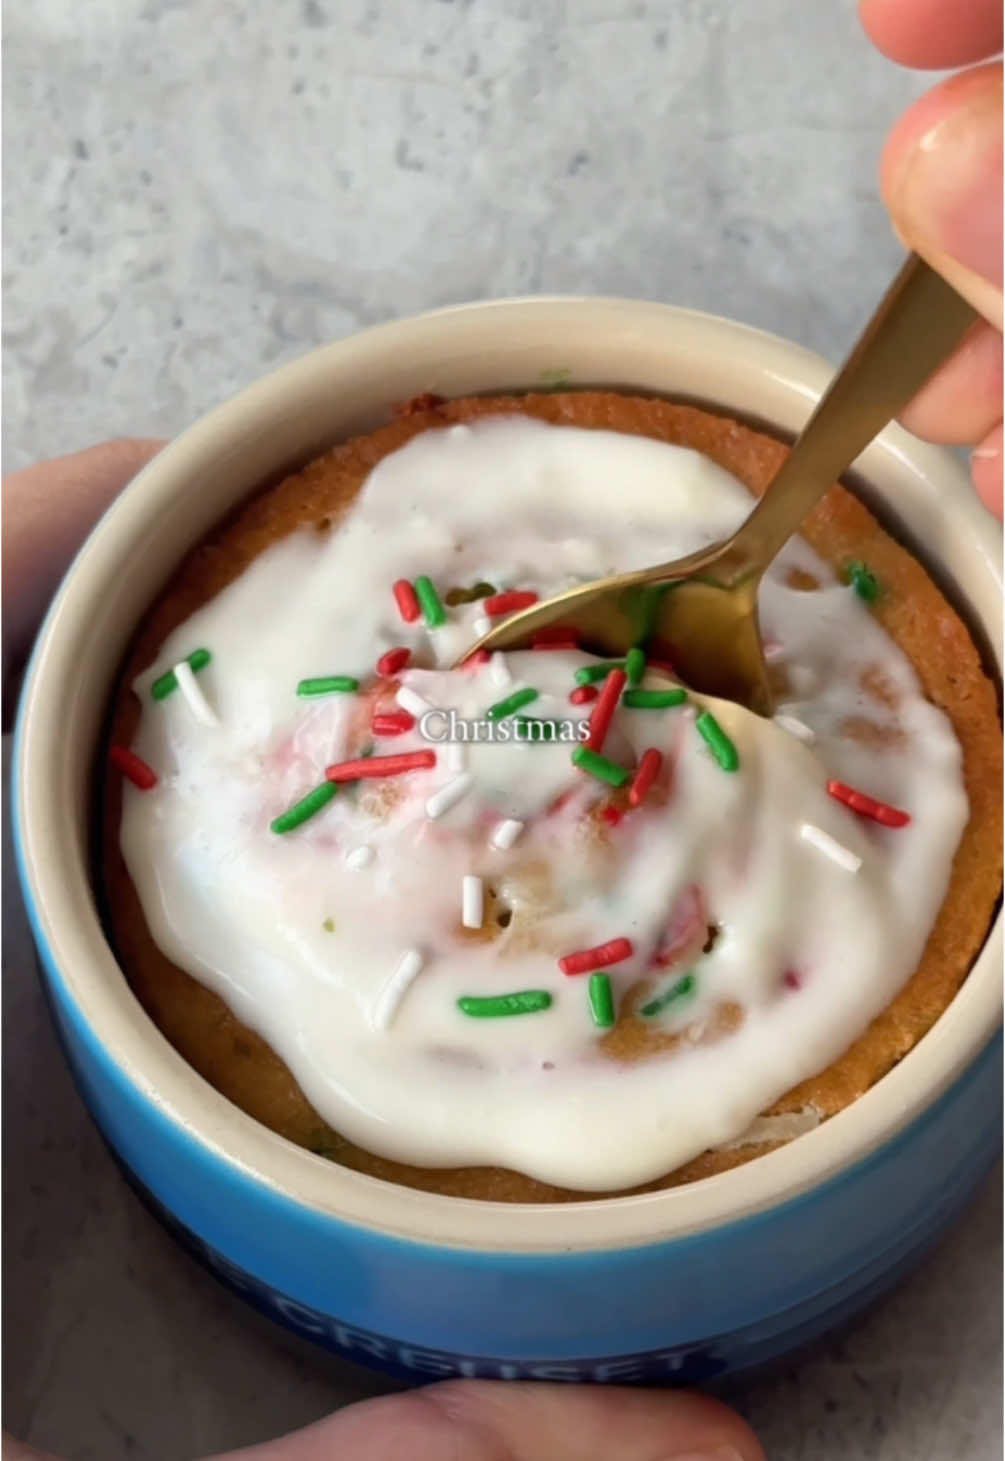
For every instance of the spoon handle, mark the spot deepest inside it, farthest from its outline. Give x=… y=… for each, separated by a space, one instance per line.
x=920 y=320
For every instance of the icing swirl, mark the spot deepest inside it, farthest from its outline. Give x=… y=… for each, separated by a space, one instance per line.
x=757 y=953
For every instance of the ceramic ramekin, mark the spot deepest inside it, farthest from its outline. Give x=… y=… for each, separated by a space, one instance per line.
x=673 y=1285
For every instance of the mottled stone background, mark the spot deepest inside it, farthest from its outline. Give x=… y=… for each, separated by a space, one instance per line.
x=197 y=190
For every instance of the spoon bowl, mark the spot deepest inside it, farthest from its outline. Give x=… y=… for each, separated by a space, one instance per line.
x=697 y=616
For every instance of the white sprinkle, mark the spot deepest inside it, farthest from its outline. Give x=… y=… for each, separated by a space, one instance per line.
x=413 y=703
x=360 y=856
x=823 y=842
x=448 y=796
x=472 y=901
x=452 y=757
x=795 y=727
x=394 y=991
x=506 y=834
x=482 y=626
x=499 y=671
x=197 y=702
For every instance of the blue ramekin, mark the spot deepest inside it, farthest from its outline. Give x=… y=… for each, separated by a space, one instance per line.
x=671 y=1286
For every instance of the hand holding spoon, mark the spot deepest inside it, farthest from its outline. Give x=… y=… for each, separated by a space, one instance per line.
x=701 y=611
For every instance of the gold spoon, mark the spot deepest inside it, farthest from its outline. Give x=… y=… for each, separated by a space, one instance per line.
x=700 y=612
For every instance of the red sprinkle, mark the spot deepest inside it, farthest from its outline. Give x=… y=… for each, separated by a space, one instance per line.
x=368 y=767
x=135 y=770
x=392 y=723
x=602 y=957
x=583 y=694
x=603 y=711
x=509 y=603
x=649 y=769
x=660 y=664
x=393 y=661
x=868 y=806
x=791 y=980
x=562 y=800
x=476 y=660
x=612 y=815
x=407 y=600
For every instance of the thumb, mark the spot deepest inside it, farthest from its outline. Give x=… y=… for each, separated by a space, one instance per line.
x=48 y=510
x=485 y=1420
x=942 y=181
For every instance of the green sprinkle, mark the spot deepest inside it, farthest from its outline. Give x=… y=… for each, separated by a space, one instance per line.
x=198 y=660
x=502 y=708
x=645 y=606
x=718 y=742
x=863 y=581
x=304 y=809
x=538 y=730
x=470 y=595
x=676 y=991
x=635 y=666
x=329 y=685
x=601 y=1001
x=525 y=1002
x=329 y=925
x=600 y=767
x=161 y=688
x=653 y=699
x=434 y=612
x=590 y=674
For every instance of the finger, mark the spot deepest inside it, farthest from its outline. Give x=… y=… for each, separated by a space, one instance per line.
x=934 y=34
x=963 y=400
x=986 y=470
x=12 y=1450
x=48 y=511
x=942 y=181
x=484 y=1420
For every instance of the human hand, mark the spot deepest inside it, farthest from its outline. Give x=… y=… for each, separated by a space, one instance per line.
x=48 y=510
x=942 y=182
x=495 y=1420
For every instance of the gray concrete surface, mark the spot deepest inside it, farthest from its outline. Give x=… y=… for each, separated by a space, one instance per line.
x=197 y=190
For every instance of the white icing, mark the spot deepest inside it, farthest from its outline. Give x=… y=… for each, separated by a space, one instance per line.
x=352 y=972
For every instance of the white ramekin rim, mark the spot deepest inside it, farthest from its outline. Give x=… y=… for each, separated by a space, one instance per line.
x=479 y=340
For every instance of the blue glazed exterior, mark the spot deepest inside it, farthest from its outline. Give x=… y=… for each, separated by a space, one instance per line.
x=682 y=1310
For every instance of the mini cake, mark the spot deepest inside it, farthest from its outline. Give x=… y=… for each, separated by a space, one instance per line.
x=543 y=925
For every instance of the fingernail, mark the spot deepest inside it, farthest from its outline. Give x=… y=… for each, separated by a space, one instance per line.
x=947 y=197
